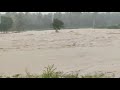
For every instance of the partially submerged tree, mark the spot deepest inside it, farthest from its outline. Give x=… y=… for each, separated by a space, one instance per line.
x=94 y=19
x=20 y=23
x=6 y=23
x=57 y=24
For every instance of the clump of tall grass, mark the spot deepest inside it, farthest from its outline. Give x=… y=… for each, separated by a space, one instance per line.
x=50 y=72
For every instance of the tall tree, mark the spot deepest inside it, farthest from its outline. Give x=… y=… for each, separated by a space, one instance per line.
x=57 y=24
x=20 y=24
x=6 y=24
x=94 y=18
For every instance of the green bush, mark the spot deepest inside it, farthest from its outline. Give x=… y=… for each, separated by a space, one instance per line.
x=114 y=27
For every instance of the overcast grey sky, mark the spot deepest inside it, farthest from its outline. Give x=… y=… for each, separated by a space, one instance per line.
x=36 y=12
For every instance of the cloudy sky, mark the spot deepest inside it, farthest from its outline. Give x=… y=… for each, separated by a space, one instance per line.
x=35 y=12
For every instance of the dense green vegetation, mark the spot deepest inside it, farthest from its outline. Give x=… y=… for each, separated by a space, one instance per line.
x=6 y=23
x=72 y=20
